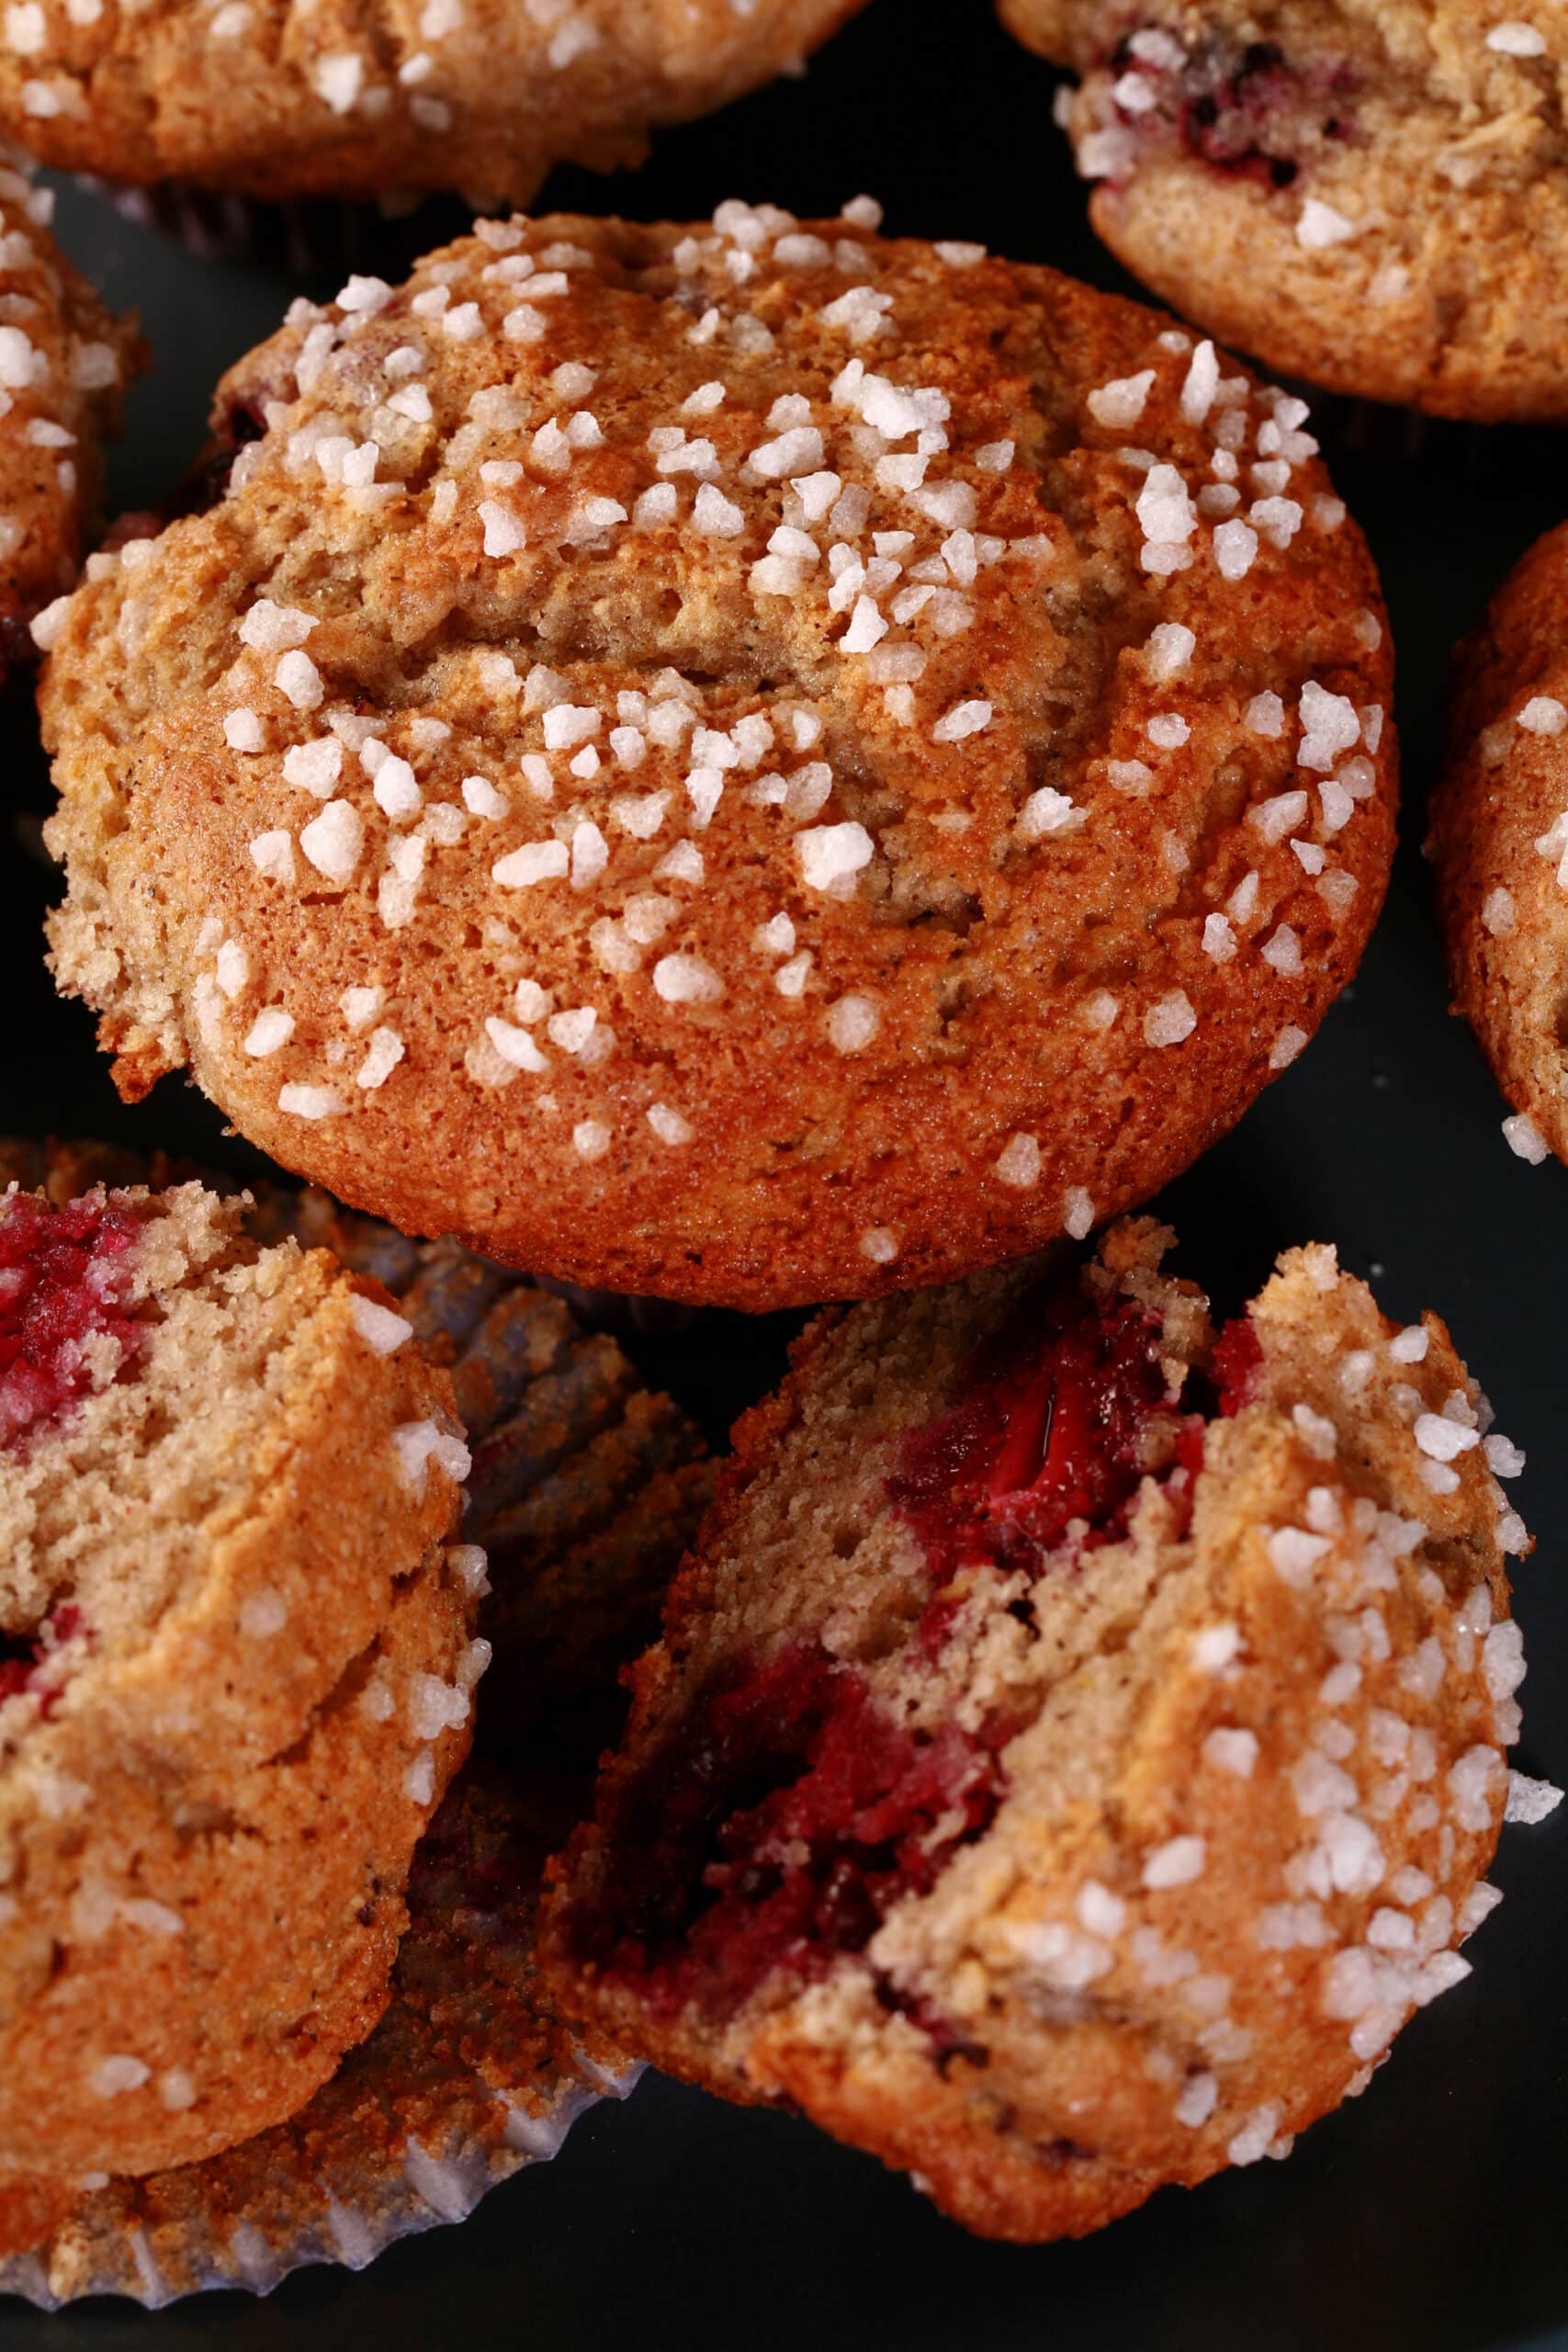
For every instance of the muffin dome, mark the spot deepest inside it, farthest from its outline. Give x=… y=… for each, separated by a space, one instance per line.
x=754 y=764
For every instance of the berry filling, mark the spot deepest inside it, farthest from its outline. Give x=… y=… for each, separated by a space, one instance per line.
x=790 y=1810
x=785 y=1819
x=1049 y=1435
x=18 y=1663
x=27 y=1666
x=1236 y=1366
x=65 y=1284
x=1247 y=113
x=1055 y=1423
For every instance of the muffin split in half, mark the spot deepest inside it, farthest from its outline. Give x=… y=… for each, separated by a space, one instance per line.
x=1076 y=1744
x=236 y=1671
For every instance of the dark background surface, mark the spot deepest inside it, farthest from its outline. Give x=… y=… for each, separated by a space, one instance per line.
x=1432 y=2214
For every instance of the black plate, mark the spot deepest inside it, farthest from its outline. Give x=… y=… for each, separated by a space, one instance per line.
x=1431 y=2213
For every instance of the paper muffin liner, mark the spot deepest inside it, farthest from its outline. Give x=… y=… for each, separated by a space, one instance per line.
x=585 y=1491
x=586 y=1486
x=1371 y=433
x=301 y=236
x=613 y=1310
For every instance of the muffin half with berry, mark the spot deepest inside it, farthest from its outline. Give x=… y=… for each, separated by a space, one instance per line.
x=1077 y=1741
x=235 y=1670
x=583 y=1490
x=1372 y=197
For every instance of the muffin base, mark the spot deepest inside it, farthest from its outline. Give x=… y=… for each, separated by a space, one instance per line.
x=470 y=2078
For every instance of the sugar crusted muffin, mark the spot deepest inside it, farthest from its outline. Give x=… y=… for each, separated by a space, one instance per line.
x=1499 y=843
x=62 y=363
x=837 y=757
x=409 y=97
x=1075 y=1745
x=1370 y=194
x=583 y=1491
x=584 y=1485
x=236 y=1671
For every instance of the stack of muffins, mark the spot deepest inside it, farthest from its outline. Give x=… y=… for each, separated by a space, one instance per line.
x=742 y=764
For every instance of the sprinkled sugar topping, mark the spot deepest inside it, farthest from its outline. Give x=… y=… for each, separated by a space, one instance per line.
x=53 y=371
x=1516 y=38
x=1397 y=1785
x=743 y=435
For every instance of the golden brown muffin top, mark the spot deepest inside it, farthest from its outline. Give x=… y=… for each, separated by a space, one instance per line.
x=753 y=762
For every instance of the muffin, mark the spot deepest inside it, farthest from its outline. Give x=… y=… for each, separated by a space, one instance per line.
x=62 y=363
x=236 y=1671
x=1077 y=1741
x=1370 y=193
x=585 y=1490
x=584 y=1485
x=1499 y=843
x=748 y=766
x=422 y=95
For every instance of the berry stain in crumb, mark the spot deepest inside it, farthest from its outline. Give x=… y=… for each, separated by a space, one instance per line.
x=788 y=1814
x=24 y=1666
x=1056 y=1421
x=64 y=1275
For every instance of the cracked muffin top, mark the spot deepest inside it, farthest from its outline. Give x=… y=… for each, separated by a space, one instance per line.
x=751 y=762
x=1372 y=193
x=274 y=100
